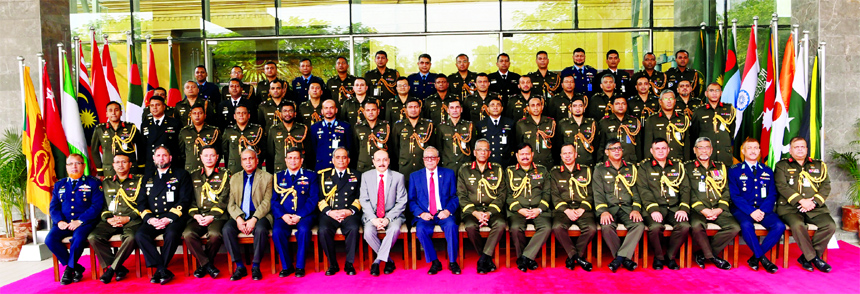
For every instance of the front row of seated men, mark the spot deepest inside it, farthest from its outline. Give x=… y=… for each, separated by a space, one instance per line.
x=656 y=193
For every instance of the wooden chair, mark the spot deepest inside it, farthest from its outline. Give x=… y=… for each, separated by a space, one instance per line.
x=667 y=232
x=339 y=236
x=404 y=235
x=67 y=242
x=485 y=232
x=437 y=234
x=115 y=241
x=811 y=228
x=622 y=232
x=248 y=239
x=712 y=230
x=189 y=259
x=573 y=231
x=529 y=232
x=760 y=231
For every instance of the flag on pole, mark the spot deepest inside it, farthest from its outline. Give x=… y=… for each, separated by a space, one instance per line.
x=768 y=97
x=719 y=62
x=780 y=106
x=110 y=76
x=88 y=115
x=134 y=105
x=797 y=102
x=100 y=93
x=732 y=78
x=40 y=175
x=151 y=78
x=698 y=60
x=173 y=93
x=746 y=95
x=72 y=125
x=810 y=127
x=57 y=138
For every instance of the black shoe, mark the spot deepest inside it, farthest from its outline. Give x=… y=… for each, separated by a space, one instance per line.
x=156 y=277
x=435 y=267
x=658 y=264
x=753 y=263
x=672 y=265
x=700 y=259
x=489 y=265
x=481 y=267
x=257 y=275
x=79 y=273
x=349 y=269
x=68 y=276
x=522 y=265
x=569 y=263
x=239 y=273
x=120 y=272
x=389 y=268
x=332 y=269
x=721 y=263
x=533 y=265
x=166 y=276
x=805 y=263
x=374 y=269
x=821 y=265
x=300 y=272
x=768 y=265
x=584 y=264
x=200 y=272
x=287 y=272
x=629 y=264
x=615 y=264
x=454 y=267
x=212 y=270
x=107 y=276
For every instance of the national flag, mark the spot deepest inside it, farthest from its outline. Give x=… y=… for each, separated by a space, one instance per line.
x=810 y=127
x=767 y=98
x=731 y=77
x=134 y=105
x=780 y=106
x=72 y=125
x=746 y=95
x=719 y=61
x=797 y=102
x=110 y=76
x=40 y=163
x=151 y=78
x=57 y=137
x=698 y=60
x=88 y=114
x=173 y=93
x=101 y=95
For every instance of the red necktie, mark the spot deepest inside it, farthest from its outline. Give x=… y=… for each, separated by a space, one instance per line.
x=432 y=194
x=380 y=198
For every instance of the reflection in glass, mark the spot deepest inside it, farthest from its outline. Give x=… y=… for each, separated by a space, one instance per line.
x=312 y=18
x=617 y=14
x=538 y=15
x=385 y=16
x=447 y=15
x=163 y=18
x=239 y=18
x=559 y=47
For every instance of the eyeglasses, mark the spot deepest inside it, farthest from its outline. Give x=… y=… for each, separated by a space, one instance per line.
x=617 y=148
x=74 y=163
x=120 y=162
x=430 y=158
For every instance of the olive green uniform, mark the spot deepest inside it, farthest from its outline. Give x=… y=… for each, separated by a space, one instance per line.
x=707 y=189
x=615 y=192
x=410 y=142
x=121 y=199
x=341 y=89
x=643 y=109
x=309 y=114
x=539 y=134
x=625 y=130
x=435 y=107
x=547 y=85
x=674 y=130
x=696 y=78
x=125 y=139
x=368 y=140
x=558 y=107
x=352 y=110
x=211 y=194
x=657 y=79
x=485 y=192
x=454 y=142
x=518 y=105
x=529 y=190
x=660 y=190
x=279 y=140
x=183 y=109
x=795 y=182
x=571 y=189
x=235 y=140
x=463 y=87
x=717 y=124
x=580 y=134
x=394 y=110
x=269 y=113
x=192 y=141
x=475 y=106
x=382 y=85
x=600 y=105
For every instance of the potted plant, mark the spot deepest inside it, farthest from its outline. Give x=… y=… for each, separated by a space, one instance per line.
x=13 y=179
x=850 y=163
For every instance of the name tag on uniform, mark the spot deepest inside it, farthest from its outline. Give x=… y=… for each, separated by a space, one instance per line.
x=671 y=192
x=703 y=187
x=170 y=196
x=504 y=139
x=334 y=143
x=112 y=206
x=806 y=183
x=763 y=192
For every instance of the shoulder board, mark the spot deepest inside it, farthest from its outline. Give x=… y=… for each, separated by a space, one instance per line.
x=605 y=117
x=554 y=168
x=323 y=170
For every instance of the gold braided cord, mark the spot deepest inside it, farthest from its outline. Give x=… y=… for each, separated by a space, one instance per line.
x=117 y=141
x=372 y=138
x=466 y=89
x=199 y=142
x=344 y=92
x=484 y=187
x=587 y=141
x=546 y=137
x=817 y=180
x=625 y=183
x=131 y=201
x=244 y=142
x=388 y=87
x=581 y=188
x=459 y=142
x=210 y=193
x=631 y=135
x=416 y=138
x=675 y=185
x=726 y=122
x=557 y=83
x=290 y=141
x=673 y=131
x=716 y=187
x=524 y=186
x=286 y=192
x=648 y=111
x=329 y=195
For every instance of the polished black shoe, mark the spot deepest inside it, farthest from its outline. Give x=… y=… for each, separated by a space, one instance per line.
x=805 y=263
x=200 y=272
x=349 y=269
x=389 y=268
x=332 y=270
x=257 y=275
x=454 y=268
x=435 y=267
x=768 y=265
x=821 y=265
x=533 y=265
x=156 y=277
x=489 y=265
x=522 y=265
x=287 y=272
x=374 y=269
x=107 y=276
x=699 y=258
x=212 y=270
x=753 y=263
x=481 y=267
x=584 y=264
x=300 y=272
x=68 y=276
x=166 y=276
x=672 y=265
x=239 y=273
x=615 y=264
x=79 y=273
x=721 y=263
x=120 y=272
x=658 y=264
x=569 y=263
x=629 y=264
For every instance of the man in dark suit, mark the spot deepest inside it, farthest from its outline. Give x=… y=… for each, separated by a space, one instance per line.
x=249 y=205
x=383 y=200
x=293 y=203
x=161 y=130
x=422 y=82
x=499 y=131
x=503 y=81
x=339 y=209
x=302 y=83
x=433 y=200
x=228 y=106
x=209 y=91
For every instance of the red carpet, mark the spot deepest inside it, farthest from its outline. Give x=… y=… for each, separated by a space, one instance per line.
x=843 y=279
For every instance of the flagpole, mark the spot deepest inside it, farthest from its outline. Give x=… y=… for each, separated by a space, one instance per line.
x=775 y=47
x=735 y=34
x=794 y=32
x=41 y=99
x=806 y=76
x=129 y=44
x=77 y=60
x=822 y=77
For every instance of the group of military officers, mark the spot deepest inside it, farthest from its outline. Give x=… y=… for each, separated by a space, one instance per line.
x=622 y=146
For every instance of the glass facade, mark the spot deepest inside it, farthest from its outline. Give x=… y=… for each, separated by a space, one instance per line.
x=223 y=33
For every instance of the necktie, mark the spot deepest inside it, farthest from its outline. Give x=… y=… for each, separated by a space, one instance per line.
x=293 y=178
x=158 y=122
x=495 y=122
x=380 y=198
x=504 y=77
x=581 y=72
x=235 y=103
x=432 y=194
x=246 y=198
x=340 y=175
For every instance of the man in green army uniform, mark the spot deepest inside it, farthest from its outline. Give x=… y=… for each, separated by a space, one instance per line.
x=352 y=110
x=280 y=138
x=716 y=120
x=475 y=105
x=580 y=131
x=340 y=85
x=517 y=103
x=211 y=193
x=382 y=79
x=570 y=188
x=269 y=112
x=617 y=201
x=454 y=137
x=119 y=216
x=671 y=126
x=463 y=81
x=537 y=130
x=705 y=182
x=395 y=109
x=192 y=98
x=240 y=136
x=310 y=112
x=247 y=90
x=193 y=138
x=686 y=102
x=643 y=104
x=558 y=107
x=270 y=71
x=436 y=105
x=675 y=75
x=544 y=81
x=371 y=135
x=600 y=104
x=804 y=185
x=115 y=137
x=620 y=126
x=656 y=78
x=659 y=185
x=528 y=202
x=411 y=136
x=482 y=189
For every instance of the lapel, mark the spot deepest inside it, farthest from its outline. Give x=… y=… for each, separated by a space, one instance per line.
x=160 y=184
x=340 y=180
x=257 y=186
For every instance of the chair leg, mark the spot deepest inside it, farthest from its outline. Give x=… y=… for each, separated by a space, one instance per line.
x=735 y=255
x=405 y=238
x=689 y=251
x=56 y=269
x=316 y=256
x=543 y=256
x=498 y=264
x=414 y=252
x=508 y=249
x=785 y=244
x=229 y=264
x=552 y=250
x=636 y=253
x=588 y=248
x=137 y=261
x=599 y=256
x=682 y=256
x=645 y=250
x=272 y=255
x=94 y=268
x=460 y=255
x=360 y=254
x=185 y=257
x=370 y=258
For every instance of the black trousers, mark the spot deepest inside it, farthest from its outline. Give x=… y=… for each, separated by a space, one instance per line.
x=261 y=239
x=146 y=235
x=349 y=227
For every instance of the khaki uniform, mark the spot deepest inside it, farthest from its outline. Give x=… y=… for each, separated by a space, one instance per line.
x=580 y=134
x=236 y=140
x=309 y=114
x=674 y=130
x=615 y=192
x=696 y=78
x=126 y=139
x=463 y=87
x=211 y=194
x=547 y=85
x=660 y=190
x=394 y=110
x=121 y=199
x=455 y=142
x=539 y=135
x=558 y=107
x=571 y=189
x=341 y=90
x=382 y=85
x=656 y=78
x=269 y=113
x=600 y=105
x=643 y=109
x=183 y=111
x=529 y=190
x=688 y=107
x=718 y=124
x=808 y=181
x=475 y=106
x=368 y=140
x=435 y=107
x=410 y=142
x=517 y=107
x=707 y=189
x=625 y=130
x=279 y=139
x=352 y=111
x=485 y=192
x=191 y=141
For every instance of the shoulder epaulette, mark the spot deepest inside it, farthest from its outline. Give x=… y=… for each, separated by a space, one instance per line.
x=322 y=171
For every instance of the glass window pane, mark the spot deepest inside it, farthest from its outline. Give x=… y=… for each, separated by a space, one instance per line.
x=111 y=17
x=447 y=15
x=234 y=18
x=403 y=52
x=251 y=55
x=615 y=14
x=538 y=15
x=744 y=10
x=313 y=18
x=322 y=52
x=387 y=16
x=162 y=18
x=521 y=47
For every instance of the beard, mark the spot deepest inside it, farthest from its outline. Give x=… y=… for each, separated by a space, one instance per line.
x=76 y=175
x=526 y=91
x=579 y=64
x=162 y=165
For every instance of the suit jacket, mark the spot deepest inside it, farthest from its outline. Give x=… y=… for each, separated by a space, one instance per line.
x=395 y=195
x=746 y=186
x=419 y=201
x=261 y=194
x=303 y=197
x=166 y=134
x=66 y=195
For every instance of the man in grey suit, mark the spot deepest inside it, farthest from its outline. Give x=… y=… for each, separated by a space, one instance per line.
x=389 y=216
x=249 y=206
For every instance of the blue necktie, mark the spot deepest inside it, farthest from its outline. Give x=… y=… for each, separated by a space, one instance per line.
x=246 y=198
